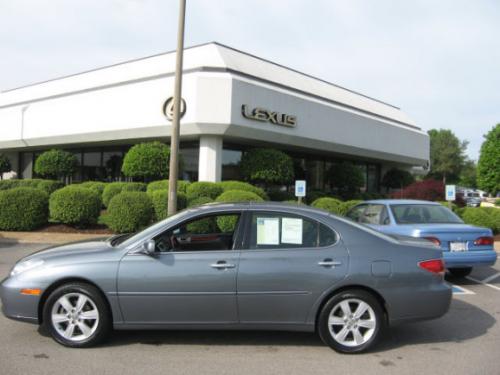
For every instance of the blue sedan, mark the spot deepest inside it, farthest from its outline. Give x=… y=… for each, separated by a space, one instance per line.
x=464 y=246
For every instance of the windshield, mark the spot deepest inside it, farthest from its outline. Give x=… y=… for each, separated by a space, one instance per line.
x=424 y=214
x=153 y=228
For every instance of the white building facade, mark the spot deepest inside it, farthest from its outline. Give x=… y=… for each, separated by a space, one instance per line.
x=233 y=102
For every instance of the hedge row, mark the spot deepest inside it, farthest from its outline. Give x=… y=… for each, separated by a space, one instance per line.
x=23 y=208
x=47 y=186
x=334 y=205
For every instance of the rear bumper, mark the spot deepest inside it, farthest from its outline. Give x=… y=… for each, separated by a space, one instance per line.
x=470 y=258
x=17 y=306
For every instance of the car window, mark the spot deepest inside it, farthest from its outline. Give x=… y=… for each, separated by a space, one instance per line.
x=204 y=233
x=423 y=214
x=370 y=214
x=282 y=231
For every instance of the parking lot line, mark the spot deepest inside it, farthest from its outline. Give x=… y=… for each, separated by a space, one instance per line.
x=482 y=282
x=460 y=290
x=492 y=277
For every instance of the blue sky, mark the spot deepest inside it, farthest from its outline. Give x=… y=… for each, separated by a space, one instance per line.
x=437 y=60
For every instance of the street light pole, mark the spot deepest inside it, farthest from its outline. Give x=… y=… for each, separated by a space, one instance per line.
x=174 y=140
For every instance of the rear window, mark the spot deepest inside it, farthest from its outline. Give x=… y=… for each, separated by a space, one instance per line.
x=423 y=214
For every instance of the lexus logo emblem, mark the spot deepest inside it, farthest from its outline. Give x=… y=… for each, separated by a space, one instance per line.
x=168 y=108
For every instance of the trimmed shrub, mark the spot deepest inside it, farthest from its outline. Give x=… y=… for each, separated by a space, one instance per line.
x=55 y=163
x=114 y=188
x=75 y=205
x=228 y=223
x=23 y=208
x=147 y=161
x=347 y=205
x=129 y=211
x=199 y=201
x=96 y=186
x=163 y=185
x=488 y=217
x=312 y=195
x=428 y=190
x=244 y=186
x=159 y=199
x=49 y=186
x=267 y=165
x=330 y=204
x=203 y=189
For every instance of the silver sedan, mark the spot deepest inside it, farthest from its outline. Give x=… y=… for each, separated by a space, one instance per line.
x=232 y=266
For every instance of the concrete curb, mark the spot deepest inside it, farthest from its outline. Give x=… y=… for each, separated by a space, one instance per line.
x=46 y=237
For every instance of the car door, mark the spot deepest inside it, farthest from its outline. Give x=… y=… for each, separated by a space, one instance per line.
x=190 y=279
x=286 y=263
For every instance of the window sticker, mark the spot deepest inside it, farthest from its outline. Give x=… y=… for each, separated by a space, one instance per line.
x=291 y=230
x=268 y=231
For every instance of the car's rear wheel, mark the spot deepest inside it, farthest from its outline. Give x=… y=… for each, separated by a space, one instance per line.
x=351 y=321
x=460 y=272
x=76 y=315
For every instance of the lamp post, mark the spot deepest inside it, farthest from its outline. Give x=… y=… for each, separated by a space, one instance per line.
x=174 y=139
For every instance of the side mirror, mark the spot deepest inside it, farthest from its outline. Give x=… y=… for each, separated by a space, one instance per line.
x=149 y=247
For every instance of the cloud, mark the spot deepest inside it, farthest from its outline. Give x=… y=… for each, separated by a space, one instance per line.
x=438 y=61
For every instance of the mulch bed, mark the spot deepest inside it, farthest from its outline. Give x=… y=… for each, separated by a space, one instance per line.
x=62 y=228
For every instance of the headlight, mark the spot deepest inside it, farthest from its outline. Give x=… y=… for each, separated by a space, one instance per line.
x=25 y=266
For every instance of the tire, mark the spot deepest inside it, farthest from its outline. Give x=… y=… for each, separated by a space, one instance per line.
x=460 y=272
x=76 y=315
x=367 y=333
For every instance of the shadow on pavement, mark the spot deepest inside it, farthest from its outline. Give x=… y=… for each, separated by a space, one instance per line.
x=463 y=322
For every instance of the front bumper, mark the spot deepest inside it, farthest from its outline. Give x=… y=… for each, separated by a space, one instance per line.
x=16 y=305
x=469 y=258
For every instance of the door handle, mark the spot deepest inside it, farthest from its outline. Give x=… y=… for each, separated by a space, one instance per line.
x=221 y=265
x=329 y=263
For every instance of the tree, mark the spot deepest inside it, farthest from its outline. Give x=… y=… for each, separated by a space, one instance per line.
x=488 y=168
x=266 y=165
x=468 y=174
x=5 y=165
x=396 y=178
x=348 y=178
x=55 y=164
x=147 y=161
x=447 y=154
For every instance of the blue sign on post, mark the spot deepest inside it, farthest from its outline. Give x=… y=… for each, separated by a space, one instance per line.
x=300 y=188
x=450 y=192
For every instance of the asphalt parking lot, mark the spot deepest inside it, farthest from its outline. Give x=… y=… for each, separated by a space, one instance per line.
x=465 y=341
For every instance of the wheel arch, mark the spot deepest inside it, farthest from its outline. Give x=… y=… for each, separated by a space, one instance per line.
x=68 y=280
x=344 y=288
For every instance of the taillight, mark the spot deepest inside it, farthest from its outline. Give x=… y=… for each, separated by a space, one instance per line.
x=484 y=241
x=433 y=265
x=434 y=240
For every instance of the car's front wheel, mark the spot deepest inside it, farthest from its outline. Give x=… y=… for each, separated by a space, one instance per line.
x=351 y=321
x=460 y=272
x=76 y=315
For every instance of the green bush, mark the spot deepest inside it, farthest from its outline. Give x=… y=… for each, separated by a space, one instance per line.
x=96 y=186
x=129 y=211
x=347 y=178
x=347 y=205
x=23 y=208
x=5 y=165
x=266 y=165
x=147 y=161
x=244 y=186
x=163 y=185
x=159 y=199
x=488 y=217
x=55 y=163
x=396 y=178
x=203 y=189
x=227 y=223
x=446 y=204
x=330 y=204
x=49 y=186
x=114 y=188
x=199 y=201
x=312 y=195
x=75 y=205
x=497 y=202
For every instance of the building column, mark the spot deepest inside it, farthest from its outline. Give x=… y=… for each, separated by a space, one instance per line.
x=210 y=159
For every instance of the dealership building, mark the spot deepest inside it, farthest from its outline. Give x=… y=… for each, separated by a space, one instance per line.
x=232 y=102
